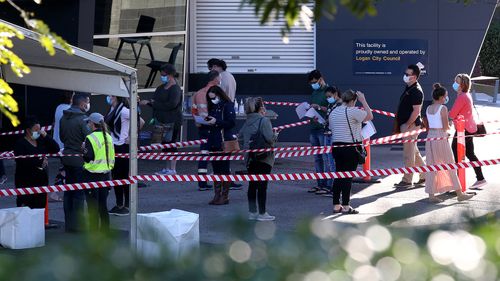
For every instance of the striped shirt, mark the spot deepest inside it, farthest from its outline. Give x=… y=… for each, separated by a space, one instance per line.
x=340 y=128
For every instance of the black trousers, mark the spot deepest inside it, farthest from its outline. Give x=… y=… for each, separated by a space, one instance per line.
x=33 y=201
x=97 y=202
x=74 y=201
x=121 y=171
x=257 y=190
x=469 y=153
x=345 y=160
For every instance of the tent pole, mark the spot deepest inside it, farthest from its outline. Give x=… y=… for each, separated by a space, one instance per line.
x=133 y=160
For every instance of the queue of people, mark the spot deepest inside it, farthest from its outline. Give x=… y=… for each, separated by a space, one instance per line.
x=97 y=138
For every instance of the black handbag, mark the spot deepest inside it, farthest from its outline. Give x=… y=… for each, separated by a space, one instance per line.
x=481 y=129
x=257 y=141
x=360 y=149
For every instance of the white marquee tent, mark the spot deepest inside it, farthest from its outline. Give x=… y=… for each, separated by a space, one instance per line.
x=84 y=72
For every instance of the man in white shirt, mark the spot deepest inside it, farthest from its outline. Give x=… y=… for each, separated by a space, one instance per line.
x=228 y=83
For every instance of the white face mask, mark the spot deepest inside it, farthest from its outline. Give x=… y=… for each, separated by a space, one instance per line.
x=406 y=79
x=87 y=107
x=215 y=100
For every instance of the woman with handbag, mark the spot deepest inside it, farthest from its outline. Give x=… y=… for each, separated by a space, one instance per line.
x=167 y=112
x=221 y=120
x=257 y=133
x=464 y=106
x=345 y=122
x=439 y=151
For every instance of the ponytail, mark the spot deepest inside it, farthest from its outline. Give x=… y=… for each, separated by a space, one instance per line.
x=105 y=133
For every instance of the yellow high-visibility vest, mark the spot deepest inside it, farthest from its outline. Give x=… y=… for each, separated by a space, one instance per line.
x=99 y=164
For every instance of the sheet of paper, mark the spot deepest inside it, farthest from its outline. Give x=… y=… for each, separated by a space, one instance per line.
x=312 y=113
x=200 y=120
x=302 y=109
x=368 y=130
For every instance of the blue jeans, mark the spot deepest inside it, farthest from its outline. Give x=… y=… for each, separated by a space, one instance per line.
x=317 y=138
x=329 y=161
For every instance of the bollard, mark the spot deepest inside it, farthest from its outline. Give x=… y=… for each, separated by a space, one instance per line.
x=460 y=127
x=47 y=210
x=367 y=165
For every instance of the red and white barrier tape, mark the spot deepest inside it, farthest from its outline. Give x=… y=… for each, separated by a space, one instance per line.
x=284 y=103
x=287 y=126
x=156 y=146
x=63 y=187
x=396 y=136
x=314 y=176
x=322 y=150
x=268 y=177
x=20 y=132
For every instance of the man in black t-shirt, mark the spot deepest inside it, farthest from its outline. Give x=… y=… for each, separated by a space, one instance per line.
x=408 y=119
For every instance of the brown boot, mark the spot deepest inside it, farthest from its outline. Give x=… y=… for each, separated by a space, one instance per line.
x=224 y=199
x=217 y=193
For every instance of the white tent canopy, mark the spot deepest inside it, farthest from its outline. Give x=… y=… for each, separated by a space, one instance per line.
x=84 y=72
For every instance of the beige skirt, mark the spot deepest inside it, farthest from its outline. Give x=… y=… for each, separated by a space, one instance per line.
x=439 y=152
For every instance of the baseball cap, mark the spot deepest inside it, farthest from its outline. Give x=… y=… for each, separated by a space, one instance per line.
x=95 y=118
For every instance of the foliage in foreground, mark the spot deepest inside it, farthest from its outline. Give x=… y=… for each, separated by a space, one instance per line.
x=317 y=251
x=8 y=35
x=490 y=51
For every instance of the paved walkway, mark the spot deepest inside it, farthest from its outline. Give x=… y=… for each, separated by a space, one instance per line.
x=290 y=202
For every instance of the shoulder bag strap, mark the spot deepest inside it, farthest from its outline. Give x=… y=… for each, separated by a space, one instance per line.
x=349 y=124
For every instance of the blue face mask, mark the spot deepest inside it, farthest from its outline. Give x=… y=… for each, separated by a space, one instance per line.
x=35 y=135
x=108 y=100
x=446 y=99
x=456 y=86
x=331 y=100
x=315 y=86
x=164 y=79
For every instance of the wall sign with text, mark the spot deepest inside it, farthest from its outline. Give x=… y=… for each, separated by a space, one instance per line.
x=388 y=56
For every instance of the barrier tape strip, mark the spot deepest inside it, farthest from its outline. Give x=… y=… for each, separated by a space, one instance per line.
x=156 y=146
x=158 y=155
x=267 y=177
x=290 y=154
x=20 y=132
x=284 y=103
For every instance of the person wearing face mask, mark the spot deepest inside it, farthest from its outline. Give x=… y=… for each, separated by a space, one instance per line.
x=317 y=133
x=167 y=110
x=408 y=119
x=464 y=105
x=221 y=120
x=32 y=172
x=333 y=99
x=199 y=108
x=73 y=132
x=345 y=123
x=118 y=122
x=256 y=133
x=99 y=157
x=439 y=151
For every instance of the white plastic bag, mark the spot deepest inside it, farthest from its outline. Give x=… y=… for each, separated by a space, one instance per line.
x=22 y=228
x=176 y=231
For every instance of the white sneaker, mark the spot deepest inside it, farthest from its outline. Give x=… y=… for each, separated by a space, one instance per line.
x=265 y=217
x=478 y=184
x=253 y=216
x=166 y=172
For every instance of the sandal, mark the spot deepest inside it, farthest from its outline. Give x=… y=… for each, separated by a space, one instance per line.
x=313 y=189
x=322 y=191
x=339 y=211
x=351 y=211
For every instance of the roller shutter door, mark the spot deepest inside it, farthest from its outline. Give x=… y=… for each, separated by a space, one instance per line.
x=221 y=29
